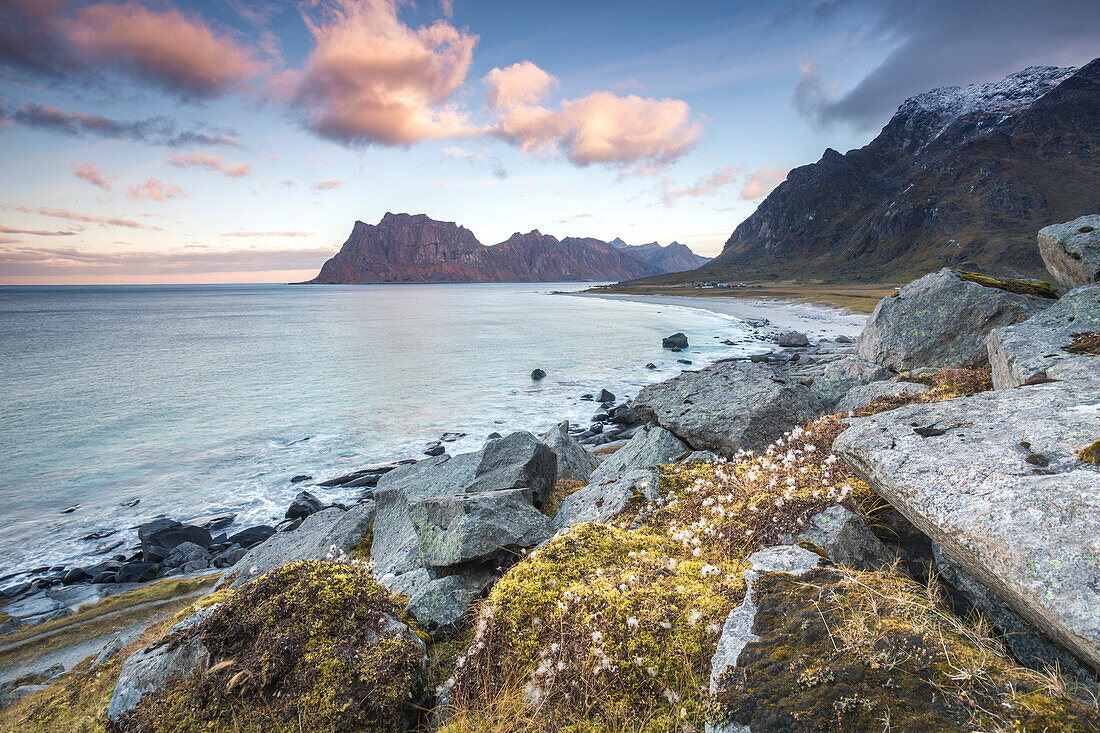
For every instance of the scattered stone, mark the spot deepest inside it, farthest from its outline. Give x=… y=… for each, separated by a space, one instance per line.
x=600 y=502
x=160 y=536
x=683 y=361
x=71 y=509
x=130 y=504
x=842 y=339
x=213 y=521
x=99 y=534
x=538 y=374
x=1036 y=348
x=437 y=449
x=650 y=365
x=941 y=320
x=184 y=553
x=651 y=446
x=574 y=462
x=675 y=341
x=303 y=505
x=300 y=478
x=452 y=437
x=493 y=436
x=605 y=396
x=1071 y=251
x=728 y=406
x=793 y=339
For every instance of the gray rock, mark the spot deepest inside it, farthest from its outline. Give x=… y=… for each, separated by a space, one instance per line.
x=995 y=481
x=458 y=528
x=1035 y=348
x=845 y=537
x=574 y=462
x=150 y=669
x=793 y=338
x=440 y=603
x=863 y=395
x=844 y=374
x=313 y=540
x=737 y=631
x=652 y=446
x=599 y=502
x=514 y=461
x=728 y=406
x=213 y=521
x=185 y=553
x=1072 y=256
x=940 y=320
x=698 y=455
x=675 y=341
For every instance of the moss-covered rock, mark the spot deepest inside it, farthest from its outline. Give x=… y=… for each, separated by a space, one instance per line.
x=845 y=651
x=313 y=645
x=1011 y=285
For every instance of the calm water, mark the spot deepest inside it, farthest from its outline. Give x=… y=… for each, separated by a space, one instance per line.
x=202 y=398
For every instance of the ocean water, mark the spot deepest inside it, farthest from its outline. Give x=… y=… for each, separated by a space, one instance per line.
x=196 y=399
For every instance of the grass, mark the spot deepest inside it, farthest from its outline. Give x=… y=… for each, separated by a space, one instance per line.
x=561 y=491
x=856 y=297
x=1087 y=342
x=1011 y=285
x=946 y=384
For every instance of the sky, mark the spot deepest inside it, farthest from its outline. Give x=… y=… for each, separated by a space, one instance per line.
x=165 y=141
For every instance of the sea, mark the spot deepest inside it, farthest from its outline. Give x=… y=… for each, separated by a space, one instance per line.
x=199 y=399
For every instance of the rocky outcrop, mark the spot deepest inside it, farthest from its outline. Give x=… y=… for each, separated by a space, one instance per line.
x=941 y=320
x=728 y=406
x=600 y=502
x=845 y=374
x=996 y=480
x=1039 y=347
x=414 y=248
x=1071 y=251
x=574 y=462
x=650 y=446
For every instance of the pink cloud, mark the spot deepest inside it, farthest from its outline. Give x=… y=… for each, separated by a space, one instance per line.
x=372 y=79
x=183 y=54
x=213 y=162
x=328 y=185
x=707 y=185
x=521 y=84
x=112 y=221
x=265 y=234
x=154 y=190
x=35 y=232
x=763 y=181
x=90 y=172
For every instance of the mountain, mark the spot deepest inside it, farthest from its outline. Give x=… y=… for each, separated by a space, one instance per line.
x=405 y=248
x=673 y=257
x=960 y=176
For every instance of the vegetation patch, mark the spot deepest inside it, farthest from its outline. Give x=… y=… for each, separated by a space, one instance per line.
x=1091 y=454
x=1087 y=342
x=1085 y=229
x=946 y=384
x=841 y=650
x=1011 y=285
x=310 y=646
x=562 y=490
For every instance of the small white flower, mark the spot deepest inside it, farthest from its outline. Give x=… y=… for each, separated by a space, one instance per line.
x=633 y=622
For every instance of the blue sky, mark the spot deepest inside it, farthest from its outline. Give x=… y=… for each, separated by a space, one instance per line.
x=167 y=141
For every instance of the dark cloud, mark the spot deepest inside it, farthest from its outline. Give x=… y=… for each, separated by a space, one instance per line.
x=27 y=261
x=153 y=131
x=35 y=232
x=945 y=42
x=30 y=38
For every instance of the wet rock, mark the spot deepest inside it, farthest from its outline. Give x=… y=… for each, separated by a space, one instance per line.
x=437 y=449
x=1028 y=532
x=184 y=553
x=213 y=521
x=137 y=572
x=303 y=505
x=675 y=341
x=863 y=395
x=1036 y=348
x=728 y=406
x=793 y=338
x=99 y=534
x=649 y=447
x=160 y=536
x=252 y=536
x=650 y=365
x=605 y=396
x=941 y=320
x=458 y=528
x=574 y=462
x=538 y=374
x=1071 y=251
x=599 y=502
x=300 y=478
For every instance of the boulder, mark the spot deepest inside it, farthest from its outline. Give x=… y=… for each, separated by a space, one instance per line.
x=599 y=502
x=1036 y=348
x=675 y=341
x=184 y=553
x=941 y=320
x=863 y=395
x=439 y=603
x=313 y=540
x=606 y=396
x=844 y=535
x=458 y=528
x=728 y=406
x=651 y=446
x=252 y=536
x=537 y=374
x=303 y=505
x=161 y=536
x=514 y=461
x=843 y=374
x=996 y=480
x=574 y=462
x=1071 y=251
x=793 y=338
x=737 y=631
x=151 y=668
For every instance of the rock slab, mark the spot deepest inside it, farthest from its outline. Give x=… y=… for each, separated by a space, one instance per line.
x=574 y=462
x=651 y=446
x=1071 y=251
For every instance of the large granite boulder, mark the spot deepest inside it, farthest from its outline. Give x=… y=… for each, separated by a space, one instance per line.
x=1071 y=251
x=995 y=479
x=600 y=502
x=650 y=446
x=574 y=462
x=864 y=395
x=845 y=537
x=459 y=528
x=514 y=461
x=312 y=540
x=941 y=320
x=843 y=375
x=1037 y=347
x=728 y=406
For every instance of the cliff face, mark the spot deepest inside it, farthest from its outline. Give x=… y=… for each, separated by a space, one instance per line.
x=959 y=177
x=404 y=248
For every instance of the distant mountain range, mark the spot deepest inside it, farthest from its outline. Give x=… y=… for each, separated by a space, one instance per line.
x=960 y=176
x=406 y=248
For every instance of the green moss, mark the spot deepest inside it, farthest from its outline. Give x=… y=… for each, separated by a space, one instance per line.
x=310 y=646
x=1011 y=285
x=562 y=490
x=846 y=651
x=1085 y=229
x=1087 y=342
x=1074 y=255
x=1091 y=454
x=361 y=549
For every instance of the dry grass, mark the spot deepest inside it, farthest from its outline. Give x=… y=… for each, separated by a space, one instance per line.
x=858 y=298
x=946 y=384
x=1087 y=342
x=562 y=490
